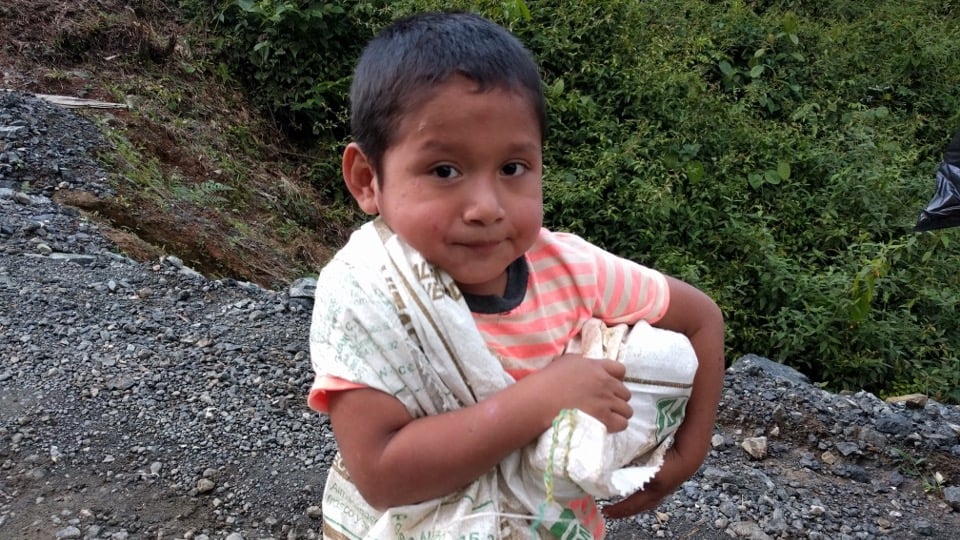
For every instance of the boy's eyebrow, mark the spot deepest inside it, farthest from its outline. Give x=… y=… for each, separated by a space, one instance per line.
x=520 y=147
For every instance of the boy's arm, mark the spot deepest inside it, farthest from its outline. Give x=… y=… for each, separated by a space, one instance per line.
x=694 y=314
x=395 y=460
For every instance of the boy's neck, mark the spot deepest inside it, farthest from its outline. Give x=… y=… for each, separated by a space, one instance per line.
x=509 y=297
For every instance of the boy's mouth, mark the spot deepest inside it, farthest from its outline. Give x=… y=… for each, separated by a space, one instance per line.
x=482 y=246
x=481 y=243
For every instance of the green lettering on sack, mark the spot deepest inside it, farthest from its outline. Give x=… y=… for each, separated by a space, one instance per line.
x=669 y=414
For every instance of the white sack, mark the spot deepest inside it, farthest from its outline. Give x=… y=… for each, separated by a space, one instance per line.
x=660 y=368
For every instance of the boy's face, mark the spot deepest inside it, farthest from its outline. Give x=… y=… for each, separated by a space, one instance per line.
x=462 y=182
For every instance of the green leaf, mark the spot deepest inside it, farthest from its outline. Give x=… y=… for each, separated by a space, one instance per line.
x=726 y=68
x=771 y=177
x=671 y=160
x=248 y=6
x=556 y=89
x=790 y=24
x=859 y=308
x=755 y=180
x=695 y=171
x=783 y=170
x=756 y=71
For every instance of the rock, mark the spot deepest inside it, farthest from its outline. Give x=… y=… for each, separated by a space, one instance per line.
x=894 y=424
x=754 y=365
x=748 y=529
x=717 y=441
x=205 y=485
x=302 y=288
x=22 y=198
x=951 y=495
x=755 y=446
x=68 y=532
x=913 y=401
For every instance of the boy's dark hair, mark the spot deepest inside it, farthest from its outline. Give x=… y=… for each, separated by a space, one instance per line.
x=399 y=69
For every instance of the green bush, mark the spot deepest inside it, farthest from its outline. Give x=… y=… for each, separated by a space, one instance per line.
x=295 y=57
x=774 y=153
x=771 y=159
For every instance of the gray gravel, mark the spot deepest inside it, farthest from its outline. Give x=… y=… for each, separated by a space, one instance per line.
x=142 y=400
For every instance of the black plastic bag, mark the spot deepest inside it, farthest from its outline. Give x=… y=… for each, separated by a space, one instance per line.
x=943 y=210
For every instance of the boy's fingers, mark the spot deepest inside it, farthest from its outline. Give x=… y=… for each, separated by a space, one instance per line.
x=639 y=502
x=623 y=409
x=615 y=369
x=615 y=423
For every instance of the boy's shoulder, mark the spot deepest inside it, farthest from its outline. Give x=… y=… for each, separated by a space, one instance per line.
x=551 y=237
x=353 y=258
x=569 y=248
x=562 y=244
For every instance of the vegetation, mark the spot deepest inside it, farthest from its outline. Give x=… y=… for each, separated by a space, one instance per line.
x=775 y=153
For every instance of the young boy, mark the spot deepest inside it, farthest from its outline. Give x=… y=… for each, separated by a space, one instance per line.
x=448 y=120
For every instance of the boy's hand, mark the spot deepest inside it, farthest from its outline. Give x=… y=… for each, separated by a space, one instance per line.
x=593 y=386
x=694 y=314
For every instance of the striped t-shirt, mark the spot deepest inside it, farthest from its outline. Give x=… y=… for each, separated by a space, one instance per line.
x=568 y=281
x=560 y=283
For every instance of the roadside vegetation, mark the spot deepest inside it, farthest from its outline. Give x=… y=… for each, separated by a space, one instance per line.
x=774 y=153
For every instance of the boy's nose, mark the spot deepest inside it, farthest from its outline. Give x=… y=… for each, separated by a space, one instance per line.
x=483 y=206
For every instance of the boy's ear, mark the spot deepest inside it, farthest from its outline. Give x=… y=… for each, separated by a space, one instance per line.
x=361 y=178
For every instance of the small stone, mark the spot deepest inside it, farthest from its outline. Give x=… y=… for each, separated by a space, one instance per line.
x=717 y=441
x=22 y=198
x=314 y=512
x=748 y=529
x=912 y=401
x=952 y=496
x=68 y=532
x=756 y=447
x=847 y=448
x=302 y=288
x=923 y=527
x=205 y=485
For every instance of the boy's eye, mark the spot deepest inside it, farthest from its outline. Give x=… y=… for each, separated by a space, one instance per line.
x=445 y=172
x=514 y=169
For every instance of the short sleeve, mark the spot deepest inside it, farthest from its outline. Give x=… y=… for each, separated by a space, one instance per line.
x=626 y=292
